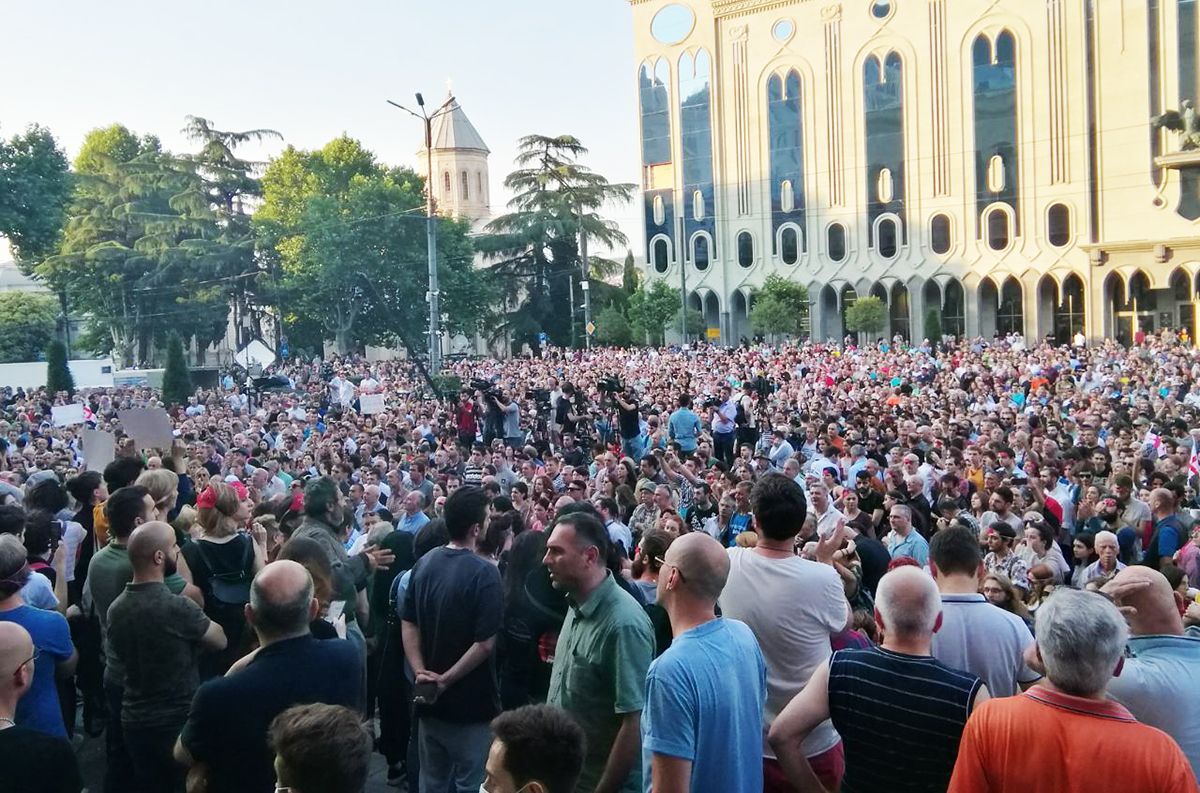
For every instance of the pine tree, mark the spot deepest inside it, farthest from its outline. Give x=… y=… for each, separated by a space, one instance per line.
x=58 y=374
x=177 y=380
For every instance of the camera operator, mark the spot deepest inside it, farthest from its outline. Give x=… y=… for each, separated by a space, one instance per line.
x=569 y=410
x=488 y=405
x=722 y=413
x=629 y=422
x=745 y=414
x=465 y=420
x=510 y=420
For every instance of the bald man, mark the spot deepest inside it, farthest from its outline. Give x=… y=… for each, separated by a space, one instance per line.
x=226 y=730
x=912 y=695
x=31 y=760
x=1160 y=680
x=157 y=636
x=702 y=722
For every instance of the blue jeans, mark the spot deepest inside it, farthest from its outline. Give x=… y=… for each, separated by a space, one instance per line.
x=452 y=755
x=632 y=448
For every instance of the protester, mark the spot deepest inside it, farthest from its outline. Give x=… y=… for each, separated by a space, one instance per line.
x=31 y=761
x=794 y=641
x=225 y=737
x=698 y=732
x=1064 y=735
x=320 y=748
x=602 y=655
x=537 y=748
x=918 y=706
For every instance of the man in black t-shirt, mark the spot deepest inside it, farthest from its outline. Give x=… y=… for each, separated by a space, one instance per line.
x=453 y=610
x=30 y=761
x=702 y=510
x=629 y=420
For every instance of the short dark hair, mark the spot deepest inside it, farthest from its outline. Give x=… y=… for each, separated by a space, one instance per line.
x=588 y=528
x=955 y=551
x=42 y=532
x=326 y=747
x=779 y=506
x=609 y=505
x=123 y=507
x=81 y=487
x=1005 y=492
x=432 y=535
x=47 y=494
x=465 y=508
x=319 y=495
x=542 y=743
x=12 y=519
x=122 y=472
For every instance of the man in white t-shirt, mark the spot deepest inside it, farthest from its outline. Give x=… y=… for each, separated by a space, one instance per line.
x=828 y=516
x=794 y=606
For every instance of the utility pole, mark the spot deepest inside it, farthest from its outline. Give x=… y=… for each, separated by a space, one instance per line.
x=571 y=284
x=585 y=284
x=435 y=317
x=681 y=250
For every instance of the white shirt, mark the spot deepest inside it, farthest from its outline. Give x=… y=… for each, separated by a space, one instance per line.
x=793 y=606
x=827 y=523
x=985 y=640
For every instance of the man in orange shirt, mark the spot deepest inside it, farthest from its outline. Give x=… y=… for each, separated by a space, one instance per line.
x=1063 y=736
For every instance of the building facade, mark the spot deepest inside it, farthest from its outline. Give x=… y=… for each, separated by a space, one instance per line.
x=993 y=160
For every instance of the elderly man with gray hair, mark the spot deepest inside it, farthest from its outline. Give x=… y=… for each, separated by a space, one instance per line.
x=1064 y=734
x=916 y=705
x=226 y=730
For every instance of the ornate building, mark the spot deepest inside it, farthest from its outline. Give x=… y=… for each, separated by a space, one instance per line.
x=994 y=160
x=460 y=165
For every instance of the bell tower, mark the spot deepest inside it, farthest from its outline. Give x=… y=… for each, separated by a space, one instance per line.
x=460 y=166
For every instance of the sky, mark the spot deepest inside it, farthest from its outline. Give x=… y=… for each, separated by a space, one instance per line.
x=315 y=69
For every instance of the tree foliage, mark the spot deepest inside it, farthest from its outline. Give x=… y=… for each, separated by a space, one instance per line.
x=348 y=237
x=612 y=328
x=177 y=380
x=27 y=323
x=534 y=248
x=696 y=325
x=867 y=315
x=34 y=188
x=58 y=373
x=651 y=307
x=630 y=277
x=780 y=308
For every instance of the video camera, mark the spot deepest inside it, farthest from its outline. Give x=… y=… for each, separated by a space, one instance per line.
x=710 y=402
x=485 y=387
x=610 y=385
x=541 y=397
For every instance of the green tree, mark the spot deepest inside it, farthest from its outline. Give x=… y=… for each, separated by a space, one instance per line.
x=534 y=248
x=696 y=325
x=612 y=328
x=177 y=380
x=58 y=373
x=34 y=188
x=27 y=324
x=780 y=308
x=933 y=325
x=630 y=277
x=868 y=315
x=348 y=237
x=651 y=308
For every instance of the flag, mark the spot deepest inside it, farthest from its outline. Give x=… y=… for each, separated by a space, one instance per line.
x=1194 y=460
x=1152 y=443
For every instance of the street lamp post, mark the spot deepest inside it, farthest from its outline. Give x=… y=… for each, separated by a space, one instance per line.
x=435 y=341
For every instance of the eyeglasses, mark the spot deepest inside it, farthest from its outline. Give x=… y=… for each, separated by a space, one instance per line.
x=37 y=653
x=664 y=563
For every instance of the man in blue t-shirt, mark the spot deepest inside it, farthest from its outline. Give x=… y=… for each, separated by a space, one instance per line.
x=698 y=731
x=684 y=425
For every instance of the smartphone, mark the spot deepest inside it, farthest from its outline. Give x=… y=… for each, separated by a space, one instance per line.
x=425 y=693
x=336 y=607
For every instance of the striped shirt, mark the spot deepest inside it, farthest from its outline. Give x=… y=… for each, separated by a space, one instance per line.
x=900 y=718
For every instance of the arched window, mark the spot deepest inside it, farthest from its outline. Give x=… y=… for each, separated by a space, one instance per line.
x=697 y=205
x=887 y=239
x=939 y=234
x=466 y=187
x=446 y=183
x=1058 y=225
x=994 y=88
x=787 y=197
x=789 y=245
x=883 y=129
x=660 y=211
x=479 y=184
x=745 y=249
x=662 y=255
x=835 y=242
x=997 y=230
x=700 y=251
x=785 y=130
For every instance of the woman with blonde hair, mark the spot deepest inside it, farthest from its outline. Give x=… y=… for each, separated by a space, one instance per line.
x=164 y=489
x=223 y=560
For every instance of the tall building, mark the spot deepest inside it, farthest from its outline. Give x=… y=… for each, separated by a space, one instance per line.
x=993 y=160
x=460 y=165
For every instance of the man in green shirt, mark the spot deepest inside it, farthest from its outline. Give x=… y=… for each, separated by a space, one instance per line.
x=603 y=652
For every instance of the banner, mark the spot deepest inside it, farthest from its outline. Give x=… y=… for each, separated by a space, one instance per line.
x=66 y=415
x=99 y=449
x=370 y=403
x=149 y=427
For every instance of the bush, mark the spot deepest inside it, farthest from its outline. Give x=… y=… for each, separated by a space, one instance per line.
x=867 y=315
x=58 y=374
x=933 y=325
x=612 y=328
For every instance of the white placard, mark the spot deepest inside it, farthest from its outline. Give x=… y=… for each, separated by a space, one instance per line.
x=149 y=427
x=66 y=415
x=370 y=403
x=99 y=449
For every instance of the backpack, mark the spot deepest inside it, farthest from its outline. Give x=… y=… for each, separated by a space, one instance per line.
x=231 y=587
x=740 y=418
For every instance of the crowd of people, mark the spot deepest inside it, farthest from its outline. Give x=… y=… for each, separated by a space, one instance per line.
x=962 y=565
